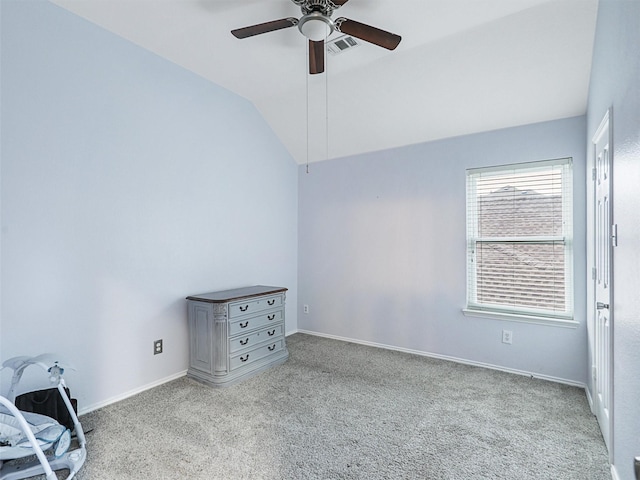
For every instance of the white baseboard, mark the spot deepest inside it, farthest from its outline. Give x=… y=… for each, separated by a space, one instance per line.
x=148 y=386
x=131 y=393
x=447 y=357
x=590 y=399
x=614 y=473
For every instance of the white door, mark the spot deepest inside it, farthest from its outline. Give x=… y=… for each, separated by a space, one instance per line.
x=604 y=241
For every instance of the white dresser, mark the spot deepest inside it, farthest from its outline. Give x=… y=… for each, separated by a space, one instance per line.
x=234 y=334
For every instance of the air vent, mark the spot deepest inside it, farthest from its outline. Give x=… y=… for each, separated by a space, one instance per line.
x=341 y=44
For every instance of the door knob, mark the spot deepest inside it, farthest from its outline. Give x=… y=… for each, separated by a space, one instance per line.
x=600 y=305
x=636 y=467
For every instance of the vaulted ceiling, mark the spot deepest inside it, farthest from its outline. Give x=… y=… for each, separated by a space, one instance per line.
x=463 y=66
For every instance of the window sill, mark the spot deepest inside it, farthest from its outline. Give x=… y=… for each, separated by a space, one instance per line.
x=513 y=317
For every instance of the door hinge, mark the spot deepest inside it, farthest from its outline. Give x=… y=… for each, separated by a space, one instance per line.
x=594 y=174
x=614 y=235
x=594 y=273
x=594 y=373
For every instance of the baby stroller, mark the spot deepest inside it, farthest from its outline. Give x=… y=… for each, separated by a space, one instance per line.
x=24 y=434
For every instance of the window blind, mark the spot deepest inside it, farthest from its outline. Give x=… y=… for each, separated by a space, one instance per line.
x=520 y=238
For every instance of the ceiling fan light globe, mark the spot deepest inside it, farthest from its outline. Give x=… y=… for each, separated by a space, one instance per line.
x=315 y=26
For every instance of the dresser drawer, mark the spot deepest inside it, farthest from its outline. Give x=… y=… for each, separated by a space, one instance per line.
x=244 y=325
x=238 y=309
x=251 y=356
x=251 y=339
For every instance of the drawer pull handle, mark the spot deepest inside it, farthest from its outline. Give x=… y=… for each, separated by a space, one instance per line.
x=271 y=348
x=271 y=333
x=271 y=302
x=244 y=325
x=244 y=342
x=246 y=307
x=271 y=317
x=245 y=358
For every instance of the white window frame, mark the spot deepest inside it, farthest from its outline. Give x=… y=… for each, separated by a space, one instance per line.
x=521 y=313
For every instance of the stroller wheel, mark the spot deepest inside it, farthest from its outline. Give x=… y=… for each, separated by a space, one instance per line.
x=62 y=444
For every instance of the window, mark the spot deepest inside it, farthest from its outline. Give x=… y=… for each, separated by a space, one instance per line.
x=519 y=240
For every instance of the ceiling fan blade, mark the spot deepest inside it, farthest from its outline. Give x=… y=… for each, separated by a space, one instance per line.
x=368 y=33
x=339 y=3
x=316 y=57
x=264 y=27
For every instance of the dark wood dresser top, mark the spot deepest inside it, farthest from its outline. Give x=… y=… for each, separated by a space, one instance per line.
x=224 y=296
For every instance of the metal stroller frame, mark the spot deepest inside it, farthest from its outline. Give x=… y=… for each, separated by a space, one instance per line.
x=60 y=458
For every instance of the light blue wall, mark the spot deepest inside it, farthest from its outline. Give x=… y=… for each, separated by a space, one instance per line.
x=128 y=183
x=615 y=82
x=382 y=250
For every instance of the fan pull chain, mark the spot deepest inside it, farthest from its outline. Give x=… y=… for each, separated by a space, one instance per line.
x=326 y=99
x=326 y=106
x=306 y=76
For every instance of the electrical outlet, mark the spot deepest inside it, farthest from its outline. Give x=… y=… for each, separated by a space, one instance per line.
x=507 y=337
x=305 y=308
x=157 y=347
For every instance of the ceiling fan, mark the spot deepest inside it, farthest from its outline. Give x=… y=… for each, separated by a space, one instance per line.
x=316 y=24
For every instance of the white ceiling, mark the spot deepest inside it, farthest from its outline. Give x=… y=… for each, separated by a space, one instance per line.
x=463 y=66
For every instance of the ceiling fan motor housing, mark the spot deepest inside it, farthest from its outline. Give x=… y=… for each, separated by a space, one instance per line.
x=326 y=7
